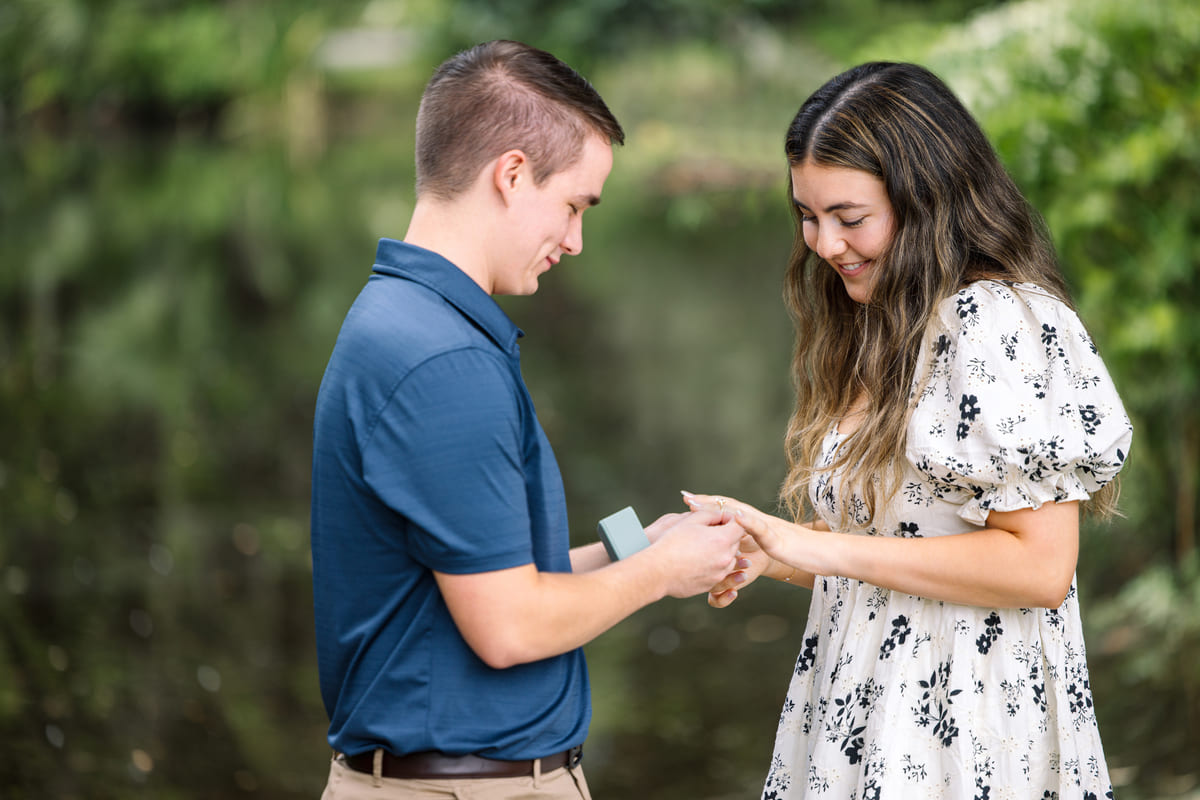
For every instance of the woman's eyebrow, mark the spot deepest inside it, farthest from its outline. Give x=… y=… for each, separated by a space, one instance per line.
x=844 y=206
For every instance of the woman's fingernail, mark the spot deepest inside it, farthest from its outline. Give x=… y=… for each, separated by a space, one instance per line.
x=686 y=494
x=739 y=577
x=743 y=563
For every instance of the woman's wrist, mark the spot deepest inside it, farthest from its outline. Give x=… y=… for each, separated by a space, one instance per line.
x=782 y=572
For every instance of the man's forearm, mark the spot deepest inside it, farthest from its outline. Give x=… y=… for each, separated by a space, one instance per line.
x=588 y=557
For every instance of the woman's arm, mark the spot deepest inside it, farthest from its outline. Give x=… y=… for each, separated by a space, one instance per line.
x=1023 y=559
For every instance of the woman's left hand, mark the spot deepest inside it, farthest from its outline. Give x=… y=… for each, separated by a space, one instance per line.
x=754 y=559
x=751 y=563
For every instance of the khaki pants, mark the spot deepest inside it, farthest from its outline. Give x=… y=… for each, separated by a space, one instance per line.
x=561 y=784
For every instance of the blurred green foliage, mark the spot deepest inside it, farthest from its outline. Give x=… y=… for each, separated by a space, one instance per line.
x=189 y=198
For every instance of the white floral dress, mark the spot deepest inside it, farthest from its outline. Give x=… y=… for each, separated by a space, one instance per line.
x=896 y=696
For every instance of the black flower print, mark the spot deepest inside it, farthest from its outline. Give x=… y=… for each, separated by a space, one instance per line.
x=942 y=345
x=1039 y=696
x=912 y=770
x=779 y=780
x=1009 y=340
x=933 y=709
x=1012 y=695
x=978 y=370
x=901 y=630
x=879 y=599
x=867 y=693
x=808 y=656
x=817 y=781
x=968 y=409
x=1078 y=379
x=968 y=310
x=1016 y=361
x=990 y=634
x=1009 y=424
x=858 y=510
x=825 y=493
x=1050 y=341
x=945 y=730
x=1039 y=381
x=1080 y=696
x=845 y=729
x=1043 y=460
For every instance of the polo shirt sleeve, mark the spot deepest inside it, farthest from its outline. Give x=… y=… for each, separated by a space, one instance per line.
x=446 y=455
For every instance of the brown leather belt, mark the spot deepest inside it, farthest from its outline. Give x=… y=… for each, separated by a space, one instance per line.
x=433 y=765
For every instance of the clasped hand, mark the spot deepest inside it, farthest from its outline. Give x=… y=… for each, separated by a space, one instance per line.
x=755 y=550
x=695 y=550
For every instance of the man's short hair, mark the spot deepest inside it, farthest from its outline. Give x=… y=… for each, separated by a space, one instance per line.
x=500 y=96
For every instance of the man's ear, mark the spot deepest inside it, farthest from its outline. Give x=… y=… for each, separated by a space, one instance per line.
x=510 y=173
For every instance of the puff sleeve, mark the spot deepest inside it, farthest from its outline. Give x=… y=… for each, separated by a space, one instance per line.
x=1014 y=406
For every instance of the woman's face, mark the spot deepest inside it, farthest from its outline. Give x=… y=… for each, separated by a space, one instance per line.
x=847 y=220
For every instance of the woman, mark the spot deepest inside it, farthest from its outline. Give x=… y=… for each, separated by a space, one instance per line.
x=951 y=416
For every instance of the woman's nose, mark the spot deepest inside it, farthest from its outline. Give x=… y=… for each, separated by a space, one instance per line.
x=830 y=243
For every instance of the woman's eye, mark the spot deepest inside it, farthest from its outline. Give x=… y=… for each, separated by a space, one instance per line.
x=853 y=223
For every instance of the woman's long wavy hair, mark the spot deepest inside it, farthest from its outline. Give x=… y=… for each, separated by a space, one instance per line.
x=958 y=217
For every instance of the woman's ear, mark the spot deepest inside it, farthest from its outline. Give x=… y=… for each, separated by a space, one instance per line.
x=510 y=173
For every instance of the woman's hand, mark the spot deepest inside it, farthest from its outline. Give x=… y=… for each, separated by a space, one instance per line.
x=754 y=559
x=751 y=563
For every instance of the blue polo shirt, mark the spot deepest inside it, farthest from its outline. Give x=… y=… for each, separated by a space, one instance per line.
x=427 y=455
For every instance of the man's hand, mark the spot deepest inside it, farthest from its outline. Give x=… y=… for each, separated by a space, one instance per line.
x=513 y=616
x=696 y=551
x=754 y=558
x=656 y=529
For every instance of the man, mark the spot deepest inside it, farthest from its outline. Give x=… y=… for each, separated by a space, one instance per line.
x=450 y=608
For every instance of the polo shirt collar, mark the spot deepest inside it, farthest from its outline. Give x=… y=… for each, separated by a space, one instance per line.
x=404 y=260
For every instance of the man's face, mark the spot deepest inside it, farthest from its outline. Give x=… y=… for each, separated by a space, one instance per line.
x=546 y=222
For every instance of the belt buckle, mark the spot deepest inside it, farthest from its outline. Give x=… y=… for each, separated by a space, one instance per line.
x=574 y=756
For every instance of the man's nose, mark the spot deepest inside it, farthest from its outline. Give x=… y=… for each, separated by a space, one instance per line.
x=572 y=243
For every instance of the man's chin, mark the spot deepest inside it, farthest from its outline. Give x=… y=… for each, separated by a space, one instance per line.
x=518 y=291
